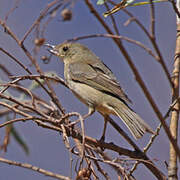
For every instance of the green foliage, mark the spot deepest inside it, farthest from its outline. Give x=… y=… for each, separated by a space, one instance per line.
x=19 y=139
x=35 y=85
x=125 y=3
x=100 y=2
x=23 y=97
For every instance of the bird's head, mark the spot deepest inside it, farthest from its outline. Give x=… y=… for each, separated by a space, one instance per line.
x=68 y=51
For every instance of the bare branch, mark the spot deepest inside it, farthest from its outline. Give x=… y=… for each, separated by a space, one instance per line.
x=172 y=168
x=34 y=168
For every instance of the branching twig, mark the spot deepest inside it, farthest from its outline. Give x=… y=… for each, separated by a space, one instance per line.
x=50 y=92
x=138 y=77
x=36 y=22
x=156 y=48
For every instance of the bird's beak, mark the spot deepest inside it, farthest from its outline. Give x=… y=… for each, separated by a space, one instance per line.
x=51 y=49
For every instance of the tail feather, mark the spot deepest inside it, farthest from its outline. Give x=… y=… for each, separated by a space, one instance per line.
x=133 y=121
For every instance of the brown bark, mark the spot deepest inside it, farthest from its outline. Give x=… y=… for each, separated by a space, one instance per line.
x=172 y=169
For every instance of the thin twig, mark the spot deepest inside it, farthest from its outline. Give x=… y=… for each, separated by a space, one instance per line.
x=146 y=148
x=156 y=48
x=175 y=8
x=8 y=85
x=152 y=27
x=34 y=77
x=13 y=108
x=83 y=139
x=99 y=168
x=16 y=120
x=11 y=10
x=15 y=59
x=23 y=105
x=42 y=14
x=112 y=19
x=138 y=43
x=171 y=107
x=19 y=87
x=34 y=168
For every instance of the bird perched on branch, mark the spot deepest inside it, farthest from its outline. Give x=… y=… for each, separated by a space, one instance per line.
x=94 y=84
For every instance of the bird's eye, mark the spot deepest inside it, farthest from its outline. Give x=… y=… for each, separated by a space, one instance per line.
x=65 y=48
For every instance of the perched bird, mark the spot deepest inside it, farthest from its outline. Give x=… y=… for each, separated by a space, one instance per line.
x=94 y=84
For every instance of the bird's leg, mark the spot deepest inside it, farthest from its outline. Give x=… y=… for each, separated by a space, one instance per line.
x=90 y=112
x=105 y=126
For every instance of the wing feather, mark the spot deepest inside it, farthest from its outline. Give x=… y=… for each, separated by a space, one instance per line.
x=99 y=77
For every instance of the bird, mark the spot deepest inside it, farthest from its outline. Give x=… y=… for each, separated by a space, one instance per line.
x=95 y=85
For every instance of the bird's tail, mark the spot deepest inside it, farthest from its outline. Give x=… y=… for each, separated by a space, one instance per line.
x=133 y=121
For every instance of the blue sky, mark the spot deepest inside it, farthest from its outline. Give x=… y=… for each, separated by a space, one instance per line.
x=47 y=149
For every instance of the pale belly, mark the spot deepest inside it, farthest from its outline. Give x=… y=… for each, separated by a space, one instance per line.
x=91 y=97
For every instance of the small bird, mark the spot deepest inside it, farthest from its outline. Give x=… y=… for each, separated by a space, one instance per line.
x=94 y=84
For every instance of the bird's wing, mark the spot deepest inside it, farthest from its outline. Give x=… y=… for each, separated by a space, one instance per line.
x=98 y=77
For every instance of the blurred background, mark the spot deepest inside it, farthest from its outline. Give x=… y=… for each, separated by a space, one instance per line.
x=46 y=147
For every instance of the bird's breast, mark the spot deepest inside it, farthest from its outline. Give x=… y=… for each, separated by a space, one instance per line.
x=89 y=95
